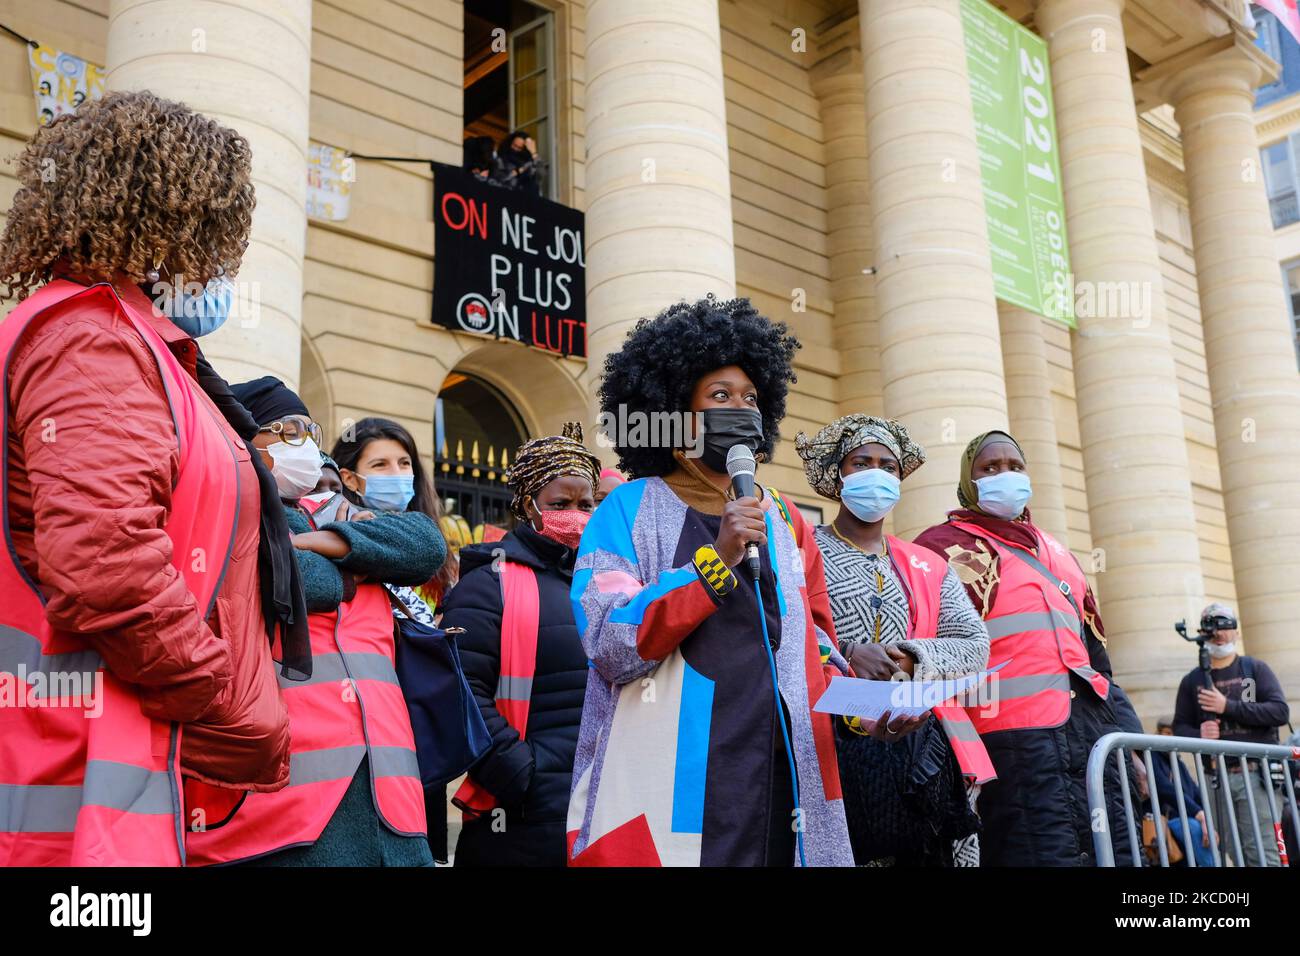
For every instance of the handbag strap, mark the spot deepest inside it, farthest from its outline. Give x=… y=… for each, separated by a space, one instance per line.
x=1045 y=571
x=398 y=604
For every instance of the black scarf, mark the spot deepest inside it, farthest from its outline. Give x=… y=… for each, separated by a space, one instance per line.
x=284 y=607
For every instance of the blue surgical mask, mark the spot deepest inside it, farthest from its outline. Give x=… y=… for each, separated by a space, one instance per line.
x=1004 y=495
x=199 y=315
x=870 y=494
x=388 y=492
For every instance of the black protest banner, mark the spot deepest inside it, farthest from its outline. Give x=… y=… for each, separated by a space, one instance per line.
x=507 y=264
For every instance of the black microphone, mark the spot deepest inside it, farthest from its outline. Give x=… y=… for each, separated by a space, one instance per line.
x=740 y=466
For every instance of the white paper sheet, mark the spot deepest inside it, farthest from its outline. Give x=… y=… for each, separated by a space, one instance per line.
x=869 y=699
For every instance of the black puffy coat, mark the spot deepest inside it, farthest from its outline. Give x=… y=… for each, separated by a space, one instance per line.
x=1036 y=812
x=529 y=778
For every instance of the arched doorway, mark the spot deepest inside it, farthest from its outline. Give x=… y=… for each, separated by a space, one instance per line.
x=314 y=388
x=476 y=433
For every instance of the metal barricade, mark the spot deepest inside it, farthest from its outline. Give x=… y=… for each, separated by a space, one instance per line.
x=1252 y=759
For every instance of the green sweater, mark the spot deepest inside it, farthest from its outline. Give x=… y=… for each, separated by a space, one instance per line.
x=401 y=547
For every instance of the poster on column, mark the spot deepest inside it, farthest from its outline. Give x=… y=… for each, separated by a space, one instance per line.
x=1015 y=126
x=62 y=82
x=330 y=175
x=507 y=264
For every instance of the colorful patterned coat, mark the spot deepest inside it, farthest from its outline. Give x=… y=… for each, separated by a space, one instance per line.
x=680 y=759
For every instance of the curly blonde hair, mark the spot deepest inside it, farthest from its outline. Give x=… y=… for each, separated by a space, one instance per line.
x=126 y=182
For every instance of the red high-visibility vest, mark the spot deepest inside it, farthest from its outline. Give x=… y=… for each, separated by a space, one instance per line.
x=1033 y=625
x=520 y=608
x=922 y=571
x=81 y=790
x=351 y=707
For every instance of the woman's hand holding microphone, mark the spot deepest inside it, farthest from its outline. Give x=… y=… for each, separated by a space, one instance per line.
x=742 y=523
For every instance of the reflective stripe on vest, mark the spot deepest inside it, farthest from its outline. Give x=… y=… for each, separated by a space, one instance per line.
x=1033 y=626
x=966 y=744
x=21 y=650
x=922 y=571
x=1007 y=624
x=351 y=707
x=113 y=786
x=340 y=763
x=520 y=608
x=330 y=669
x=1073 y=653
x=100 y=785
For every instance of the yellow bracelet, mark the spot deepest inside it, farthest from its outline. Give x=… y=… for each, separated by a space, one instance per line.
x=713 y=571
x=854 y=724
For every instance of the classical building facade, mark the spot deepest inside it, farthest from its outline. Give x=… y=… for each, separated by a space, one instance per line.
x=1277 y=121
x=797 y=149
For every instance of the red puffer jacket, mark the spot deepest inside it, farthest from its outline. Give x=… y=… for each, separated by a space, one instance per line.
x=92 y=459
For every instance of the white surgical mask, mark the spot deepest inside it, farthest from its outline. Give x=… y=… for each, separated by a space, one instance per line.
x=870 y=494
x=1220 y=651
x=297 y=468
x=1004 y=495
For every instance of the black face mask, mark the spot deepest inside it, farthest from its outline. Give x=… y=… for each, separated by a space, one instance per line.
x=724 y=427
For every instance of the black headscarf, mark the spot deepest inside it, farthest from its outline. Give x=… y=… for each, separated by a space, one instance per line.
x=284 y=606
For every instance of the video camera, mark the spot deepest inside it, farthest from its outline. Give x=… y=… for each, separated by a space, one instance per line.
x=1209 y=625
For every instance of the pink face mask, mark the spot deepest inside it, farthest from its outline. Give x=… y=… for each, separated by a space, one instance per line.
x=564 y=527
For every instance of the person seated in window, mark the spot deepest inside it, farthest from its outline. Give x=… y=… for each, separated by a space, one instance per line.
x=520 y=163
x=480 y=159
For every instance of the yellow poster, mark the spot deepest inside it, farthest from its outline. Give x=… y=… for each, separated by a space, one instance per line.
x=330 y=175
x=62 y=82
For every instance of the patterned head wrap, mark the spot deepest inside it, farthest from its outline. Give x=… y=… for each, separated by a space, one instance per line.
x=542 y=460
x=823 y=452
x=968 y=495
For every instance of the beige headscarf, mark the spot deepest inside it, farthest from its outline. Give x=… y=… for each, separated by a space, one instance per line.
x=968 y=495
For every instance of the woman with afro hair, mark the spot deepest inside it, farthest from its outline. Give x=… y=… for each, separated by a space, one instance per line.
x=686 y=756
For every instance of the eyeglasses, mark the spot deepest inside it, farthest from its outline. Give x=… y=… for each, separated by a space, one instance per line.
x=295 y=430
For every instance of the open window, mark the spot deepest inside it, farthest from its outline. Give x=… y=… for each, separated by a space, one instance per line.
x=1291 y=277
x=510 y=87
x=1278 y=161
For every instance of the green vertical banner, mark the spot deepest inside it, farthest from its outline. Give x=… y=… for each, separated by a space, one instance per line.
x=1015 y=126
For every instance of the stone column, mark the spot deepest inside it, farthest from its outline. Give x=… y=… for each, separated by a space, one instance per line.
x=1254 y=387
x=246 y=63
x=1033 y=416
x=838 y=86
x=658 y=173
x=940 y=354
x=1130 y=422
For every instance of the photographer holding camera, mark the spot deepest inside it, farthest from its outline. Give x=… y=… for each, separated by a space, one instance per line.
x=1235 y=698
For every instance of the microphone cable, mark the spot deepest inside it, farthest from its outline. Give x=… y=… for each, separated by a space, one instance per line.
x=785 y=733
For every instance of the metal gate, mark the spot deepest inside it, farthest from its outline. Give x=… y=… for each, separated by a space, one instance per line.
x=475 y=488
x=1273 y=767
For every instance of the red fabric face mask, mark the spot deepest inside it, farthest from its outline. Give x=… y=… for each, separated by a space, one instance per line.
x=564 y=527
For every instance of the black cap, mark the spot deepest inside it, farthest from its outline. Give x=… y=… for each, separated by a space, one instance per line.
x=268 y=399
